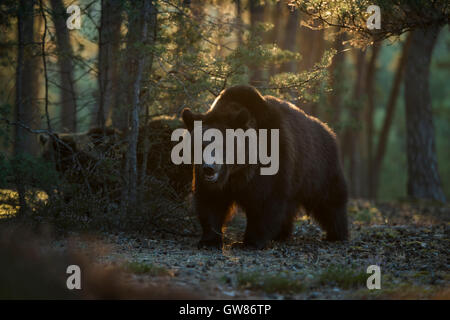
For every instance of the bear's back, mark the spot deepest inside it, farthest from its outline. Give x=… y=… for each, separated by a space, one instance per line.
x=307 y=144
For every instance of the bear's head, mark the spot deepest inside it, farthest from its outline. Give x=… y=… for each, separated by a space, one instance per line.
x=62 y=147
x=225 y=113
x=56 y=148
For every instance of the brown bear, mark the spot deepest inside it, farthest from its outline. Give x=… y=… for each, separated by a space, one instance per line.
x=98 y=156
x=70 y=150
x=92 y=157
x=309 y=176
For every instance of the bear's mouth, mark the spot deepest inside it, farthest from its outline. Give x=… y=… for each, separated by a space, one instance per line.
x=212 y=177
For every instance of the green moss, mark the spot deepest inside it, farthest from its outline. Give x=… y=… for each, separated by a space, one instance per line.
x=146 y=268
x=342 y=276
x=363 y=212
x=274 y=283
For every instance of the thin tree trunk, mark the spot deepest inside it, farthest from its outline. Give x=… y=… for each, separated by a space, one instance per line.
x=388 y=118
x=318 y=50
x=67 y=86
x=356 y=169
x=290 y=43
x=423 y=174
x=25 y=104
x=147 y=11
x=108 y=58
x=256 y=17
x=144 y=141
x=239 y=21
x=370 y=89
x=290 y=38
x=188 y=45
x=277 y=18
x=336 y=71
x=121 y=113
x=312 y=46
x=25 y=95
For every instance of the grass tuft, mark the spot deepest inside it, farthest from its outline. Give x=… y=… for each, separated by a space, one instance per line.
x=274 y=283
x=342 y=276
x=146 y=268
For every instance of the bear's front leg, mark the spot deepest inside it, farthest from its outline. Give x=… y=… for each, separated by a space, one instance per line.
x=212 y=213
x=264 y=224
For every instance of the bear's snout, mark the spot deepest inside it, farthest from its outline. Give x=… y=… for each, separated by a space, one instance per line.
x=211 y=172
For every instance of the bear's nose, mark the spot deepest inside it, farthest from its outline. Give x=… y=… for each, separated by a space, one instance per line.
x=208 y=170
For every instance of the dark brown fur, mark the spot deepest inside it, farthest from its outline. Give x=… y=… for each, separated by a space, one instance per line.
x=310 y=174
x=73 y=152
x=69 y=150
x=77 y=157
x=156 y=138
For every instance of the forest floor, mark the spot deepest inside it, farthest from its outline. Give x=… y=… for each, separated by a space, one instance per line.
x=409 y=242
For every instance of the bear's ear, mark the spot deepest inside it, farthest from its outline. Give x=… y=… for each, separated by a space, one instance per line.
x=43 y=138
x=241 y=119
x=188 y=118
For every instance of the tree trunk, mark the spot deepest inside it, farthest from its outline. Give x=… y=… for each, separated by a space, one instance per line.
x=312 y=47
x=273 y=38
x=290 y=39
x=356 y=168
x=239 y=22
x=423 y=174
x=26 y=109
x=377 y=161
x=121 y=113
x=145 y=131
x=25 y=103
x=64 y=50
x=256 y=17
x=336 y=73
x=370 y=89
x=108 y=58
x=142 y=19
